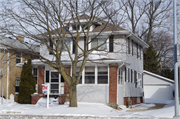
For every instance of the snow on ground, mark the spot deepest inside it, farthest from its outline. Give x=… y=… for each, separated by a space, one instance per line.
x=87 y=109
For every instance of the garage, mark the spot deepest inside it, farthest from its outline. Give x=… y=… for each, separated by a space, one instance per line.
x=158 y=91
x=157 y=87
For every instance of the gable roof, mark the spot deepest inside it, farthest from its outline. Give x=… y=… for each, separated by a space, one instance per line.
x=161 y=77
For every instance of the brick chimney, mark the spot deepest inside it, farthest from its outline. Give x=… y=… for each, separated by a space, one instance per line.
x=20 y=38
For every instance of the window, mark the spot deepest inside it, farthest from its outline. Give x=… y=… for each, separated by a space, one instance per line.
x=17 y=83
x=35 y=76
x=103 y=75
x=139 y=84
x=18 y=57
x=120 y=76
x=89 y=75
x=99 y=41
x=138 y=99
x=74 y=27
x=77 y=71
x=67 y=42
x=83 y=26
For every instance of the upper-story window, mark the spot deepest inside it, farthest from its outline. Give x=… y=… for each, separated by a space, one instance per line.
x=83 y=27
x=74 y=27
x=67 y=42
x=18 y=57
x=99 y=41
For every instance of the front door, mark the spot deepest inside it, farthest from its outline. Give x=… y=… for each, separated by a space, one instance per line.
x=56 y=83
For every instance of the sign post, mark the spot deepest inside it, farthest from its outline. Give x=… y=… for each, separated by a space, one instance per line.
x=45 y=90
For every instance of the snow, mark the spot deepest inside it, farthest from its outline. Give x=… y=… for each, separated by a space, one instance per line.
x=87 y=109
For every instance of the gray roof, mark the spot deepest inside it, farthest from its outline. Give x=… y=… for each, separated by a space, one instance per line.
x=10 y=43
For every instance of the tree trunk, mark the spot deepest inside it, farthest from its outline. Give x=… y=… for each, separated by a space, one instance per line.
x=73 y=96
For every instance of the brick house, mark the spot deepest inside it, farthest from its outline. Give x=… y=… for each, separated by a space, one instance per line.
x=10 y=55
x=112 y=74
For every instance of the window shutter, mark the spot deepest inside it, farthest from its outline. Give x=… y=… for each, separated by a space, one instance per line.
x=51 y=47
x=135 y=78
x=129 y=78
x=85 y=43
x=125 y=75
x=142 y=80
x=131 y=75
x=47 y=76
x=74 y=45
x=111 y=43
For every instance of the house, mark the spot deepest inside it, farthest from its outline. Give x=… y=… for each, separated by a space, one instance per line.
x=112 y=74
x=10 y=55
x=157 y=87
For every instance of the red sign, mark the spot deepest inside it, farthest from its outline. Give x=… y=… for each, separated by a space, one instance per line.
x=44 y=89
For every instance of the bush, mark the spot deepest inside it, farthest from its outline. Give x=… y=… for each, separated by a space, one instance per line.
x=27 y=84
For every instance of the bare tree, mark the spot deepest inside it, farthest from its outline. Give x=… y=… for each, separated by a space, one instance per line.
x=146 y=16
x=45 y=22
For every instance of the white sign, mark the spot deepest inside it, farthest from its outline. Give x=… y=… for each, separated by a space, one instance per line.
x=44 y=90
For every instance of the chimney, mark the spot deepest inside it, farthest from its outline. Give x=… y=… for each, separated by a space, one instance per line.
x=20 y=38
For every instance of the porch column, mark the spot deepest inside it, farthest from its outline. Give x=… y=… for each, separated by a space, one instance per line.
x=66 y=89
x=41 y=72
x=113 y=83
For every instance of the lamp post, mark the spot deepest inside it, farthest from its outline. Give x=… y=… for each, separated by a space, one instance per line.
x=175 y=62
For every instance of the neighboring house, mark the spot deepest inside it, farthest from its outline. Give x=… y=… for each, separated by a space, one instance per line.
x=157 y=87
x=10 y=55
x=111 y=75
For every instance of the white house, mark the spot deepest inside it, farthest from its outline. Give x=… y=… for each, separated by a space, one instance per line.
x=111 y=75
x=157 y=87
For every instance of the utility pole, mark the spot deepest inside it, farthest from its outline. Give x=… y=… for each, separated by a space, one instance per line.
x=175 y=62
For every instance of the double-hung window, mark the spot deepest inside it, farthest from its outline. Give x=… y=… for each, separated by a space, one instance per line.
x=17 y=83
x=18 y=57
x=67 y=42
x=89 y=75
x=74 y=27
x=99 y=42
x=120 y=75
x=83 y=27
x=35 y=76
x=103 y=75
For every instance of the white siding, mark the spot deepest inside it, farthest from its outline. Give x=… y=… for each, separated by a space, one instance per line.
x=93 y=93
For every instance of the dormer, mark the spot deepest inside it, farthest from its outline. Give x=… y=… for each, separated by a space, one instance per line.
x=83 y=19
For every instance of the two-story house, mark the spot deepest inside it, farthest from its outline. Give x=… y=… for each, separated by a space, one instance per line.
x=113 y=73
x=12 y=52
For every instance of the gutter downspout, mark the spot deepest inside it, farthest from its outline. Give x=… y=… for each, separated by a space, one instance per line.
x=117 y=81
x=7 y=75
x=3 y=77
